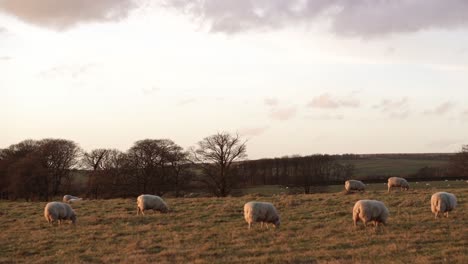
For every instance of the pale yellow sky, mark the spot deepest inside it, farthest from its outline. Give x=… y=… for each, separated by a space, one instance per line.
x=295 y=87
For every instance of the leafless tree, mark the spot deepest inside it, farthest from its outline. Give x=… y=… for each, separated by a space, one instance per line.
x=28 y=178
x=101 y=162
x=216 y=156
x=315 y=169
x=459 y=163
x=181 y=172
x=58 y=156
x=94 y=159
x=150 y=160
x=22 y=172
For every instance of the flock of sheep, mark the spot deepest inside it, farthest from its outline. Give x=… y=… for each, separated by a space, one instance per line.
x=376 y=211
x=266 y=213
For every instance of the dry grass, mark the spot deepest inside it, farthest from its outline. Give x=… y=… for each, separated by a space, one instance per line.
x=316 y=228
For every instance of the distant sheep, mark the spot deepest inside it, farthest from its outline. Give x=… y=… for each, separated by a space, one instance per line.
x=397 y=182
x=354 y=185
x=443 y=202
x=148 y=201
x=57 y=211
x=261 y=212
x=71 y=199
x=370 y=210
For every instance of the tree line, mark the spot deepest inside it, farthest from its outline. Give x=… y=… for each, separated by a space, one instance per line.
x=42 y=169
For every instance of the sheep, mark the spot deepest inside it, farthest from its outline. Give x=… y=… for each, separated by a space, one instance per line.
x=71 y=199
x=351 y=185
x=58 y=211
x=370 y=210
x=261 y=212
x=148 y=201
x=443 y=202
x=397 y=182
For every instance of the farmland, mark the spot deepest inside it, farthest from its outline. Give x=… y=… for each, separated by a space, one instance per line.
x=316 y=228
x=390 y=166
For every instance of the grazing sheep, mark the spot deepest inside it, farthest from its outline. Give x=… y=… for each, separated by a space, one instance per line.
x=71 y=199
x=443 y=202
x=261 y=212
x=58 y=211
x=397 y=182
x=370 y=210
x=354 y=185
x=148 y=201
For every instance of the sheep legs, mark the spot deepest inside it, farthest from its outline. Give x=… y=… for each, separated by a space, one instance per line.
x=140 y=211
x=437 y=214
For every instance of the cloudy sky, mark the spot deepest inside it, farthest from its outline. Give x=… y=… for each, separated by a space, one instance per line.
x=292 y=77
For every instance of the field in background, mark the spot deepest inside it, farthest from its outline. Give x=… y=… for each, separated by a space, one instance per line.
x=315 y=228
x=393 y=166
x=268 y=190
x=368 y=168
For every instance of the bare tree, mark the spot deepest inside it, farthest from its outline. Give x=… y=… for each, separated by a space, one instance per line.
x=96 y=161
x=93 y=159
x=59 y=156
x=315 y=169
x=216 y=155
x=113 y=177
x=28 y=178
x=8 y=158
x=181 y=170
x=150 y=161
x=22 y=172
x=459 y=163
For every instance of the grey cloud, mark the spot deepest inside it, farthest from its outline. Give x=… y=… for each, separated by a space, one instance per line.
x=371 y=18
x=253 y=131
x=395 y=109
x=387 y=105
x=441 y=109
x=351 y=18
x=464 y=115
x=73 y=71
x=271 y=101
x=390 y=50
x=149 y=91
x=328 y=101
x=326 y=117
x=64 y=14
x=187 y=101
x=399 y=115
x=283 y=114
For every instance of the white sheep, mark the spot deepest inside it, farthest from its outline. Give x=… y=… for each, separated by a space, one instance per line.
x=71 y=199
x=370 y=210
x=261 y=212
x=351 y=185
x=148 y=201
x=397 y=182
x=58 y=211
x=443 y=202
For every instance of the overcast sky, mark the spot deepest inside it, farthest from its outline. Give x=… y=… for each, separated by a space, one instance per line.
x=292 y=77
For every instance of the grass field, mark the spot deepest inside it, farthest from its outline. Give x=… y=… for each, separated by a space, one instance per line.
x=393 y=167
x=316 y=228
